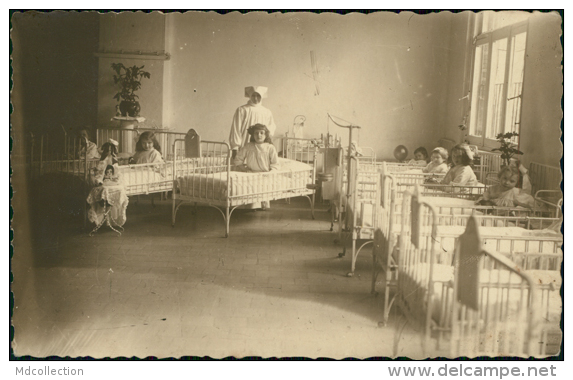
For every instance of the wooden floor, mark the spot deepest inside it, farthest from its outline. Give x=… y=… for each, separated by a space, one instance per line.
x=274 y=288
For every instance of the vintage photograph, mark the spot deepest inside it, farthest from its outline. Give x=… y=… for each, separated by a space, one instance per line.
x=286 y=184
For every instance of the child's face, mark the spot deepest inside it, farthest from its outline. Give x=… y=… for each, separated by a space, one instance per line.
x=508 y=180
x=108 y=172
x=147 y=145
x=419 y=156
x=437 y=158
x=457 y=156
x=259 y=136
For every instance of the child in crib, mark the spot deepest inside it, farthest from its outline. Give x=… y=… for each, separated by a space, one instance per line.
x=506 y=194
x=147 y=150
x=461 y=174
x=438 y=161
x=258 y=155
x=420 y=157
x=87 y=149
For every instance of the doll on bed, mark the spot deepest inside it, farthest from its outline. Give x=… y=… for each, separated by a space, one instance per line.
x=506 y=194
x=108 y=158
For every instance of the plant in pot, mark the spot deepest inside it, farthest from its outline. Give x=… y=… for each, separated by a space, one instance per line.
x=507 y=148
x=129 y=81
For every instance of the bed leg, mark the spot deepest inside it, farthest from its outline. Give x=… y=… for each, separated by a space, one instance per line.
x=374 y=277
x=397 y=338
x=353 y=261
x=387 y=305
x=227 y=221
x=312 y=205
x=343 y=253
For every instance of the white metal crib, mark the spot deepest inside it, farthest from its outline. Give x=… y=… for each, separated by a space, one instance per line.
x=207 y=177
x=428 y=286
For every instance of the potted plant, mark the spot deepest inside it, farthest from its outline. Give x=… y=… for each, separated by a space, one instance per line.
x=507 y=148
x=129 y=81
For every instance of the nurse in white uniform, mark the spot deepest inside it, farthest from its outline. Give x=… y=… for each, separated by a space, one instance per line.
x=248 y=115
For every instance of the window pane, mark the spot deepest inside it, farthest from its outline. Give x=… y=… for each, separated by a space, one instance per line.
x=513 y=107
x=496 y=81
x=478 y=106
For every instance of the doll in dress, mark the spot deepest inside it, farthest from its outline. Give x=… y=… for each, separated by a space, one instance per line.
x=109 y=177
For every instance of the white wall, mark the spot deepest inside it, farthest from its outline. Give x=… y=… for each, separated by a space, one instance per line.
x=386 y=72
x=132 y=32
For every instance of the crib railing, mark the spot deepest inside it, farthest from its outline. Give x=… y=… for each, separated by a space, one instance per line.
x=127 y=140
x=429 y=290
x=58 y=153
x=498 y=308
x=301 y=149
x=489 y=162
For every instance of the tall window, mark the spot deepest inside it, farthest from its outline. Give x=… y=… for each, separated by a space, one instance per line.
x=497 y=81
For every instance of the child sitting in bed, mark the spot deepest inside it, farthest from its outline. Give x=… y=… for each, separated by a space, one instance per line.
x=461 y=174
x=506 y=194
x=438 y=161
x=420 y=157
x=258 y=155
x=87 y=149
x=147 y=150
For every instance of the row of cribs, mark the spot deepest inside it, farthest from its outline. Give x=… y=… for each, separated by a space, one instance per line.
x=428 y=251
x=368 y=206
x=204 y=167
x=417 y=248
x=356 y=200
x=55 y=159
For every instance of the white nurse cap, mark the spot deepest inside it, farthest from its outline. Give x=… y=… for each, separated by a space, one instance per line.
x=258 y=89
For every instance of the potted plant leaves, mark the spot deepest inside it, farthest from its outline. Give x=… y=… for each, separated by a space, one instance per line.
x=129 y=81
x=507 y=148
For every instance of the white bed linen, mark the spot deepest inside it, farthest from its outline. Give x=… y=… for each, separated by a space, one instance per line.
x=292 y=174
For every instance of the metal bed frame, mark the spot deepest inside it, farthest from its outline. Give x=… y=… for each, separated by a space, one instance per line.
x=210 y=182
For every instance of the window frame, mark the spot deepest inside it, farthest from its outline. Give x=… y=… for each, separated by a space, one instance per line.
x=487 y=39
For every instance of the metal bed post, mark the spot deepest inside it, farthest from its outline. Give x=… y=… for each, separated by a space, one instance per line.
x=349 y=156
x=85 y=185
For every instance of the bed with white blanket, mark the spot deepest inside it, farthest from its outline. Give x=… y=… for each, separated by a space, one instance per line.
x=214 y=183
